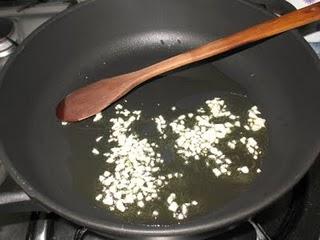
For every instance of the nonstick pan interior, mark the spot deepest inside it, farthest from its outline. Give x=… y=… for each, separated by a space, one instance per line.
x=105 y=38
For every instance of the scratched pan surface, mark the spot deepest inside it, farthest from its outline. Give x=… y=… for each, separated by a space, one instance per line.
x=280 y=75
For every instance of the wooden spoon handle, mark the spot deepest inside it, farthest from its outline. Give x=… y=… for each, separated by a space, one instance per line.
x=89 y=100
x=261 y=31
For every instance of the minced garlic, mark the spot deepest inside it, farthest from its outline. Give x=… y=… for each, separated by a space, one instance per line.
x=135 y=178
x=136 y=165
x=255 y=123
x=97 y=117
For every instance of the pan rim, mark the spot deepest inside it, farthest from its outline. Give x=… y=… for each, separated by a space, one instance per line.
x=171 y=230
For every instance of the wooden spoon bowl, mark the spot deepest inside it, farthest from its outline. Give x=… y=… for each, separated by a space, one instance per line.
x=93 y=98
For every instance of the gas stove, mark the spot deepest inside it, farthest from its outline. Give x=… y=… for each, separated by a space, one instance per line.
x=295 y=216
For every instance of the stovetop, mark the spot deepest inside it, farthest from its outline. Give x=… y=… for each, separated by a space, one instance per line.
x=295 y=216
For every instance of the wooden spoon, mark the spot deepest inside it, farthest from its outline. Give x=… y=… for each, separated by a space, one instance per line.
x=91 y=99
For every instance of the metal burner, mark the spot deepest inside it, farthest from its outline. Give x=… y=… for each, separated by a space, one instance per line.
x=7 y=44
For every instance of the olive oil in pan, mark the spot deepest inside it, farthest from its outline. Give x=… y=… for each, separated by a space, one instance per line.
x=196 y=183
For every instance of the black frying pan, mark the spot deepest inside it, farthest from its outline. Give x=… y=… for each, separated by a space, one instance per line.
x=281 y=75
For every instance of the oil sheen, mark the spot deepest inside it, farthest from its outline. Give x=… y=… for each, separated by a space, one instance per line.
x=171 y=96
